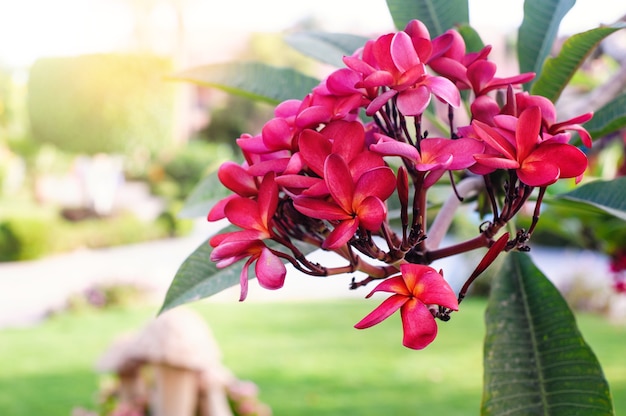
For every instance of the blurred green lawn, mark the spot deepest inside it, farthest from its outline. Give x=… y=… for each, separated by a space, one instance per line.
x=305 y=356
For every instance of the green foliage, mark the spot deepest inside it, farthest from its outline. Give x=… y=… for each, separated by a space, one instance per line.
x=609 y=196
x=558 y=71
x=538 y=30
x=608 y=119
x=102 y=103
x=199 y=277
x=438 y=16
x=252 y=80
x=177 y=174
x=536 y=361
x=329 y=48
x=24 y=238
x=34 y=235
x=202 y=198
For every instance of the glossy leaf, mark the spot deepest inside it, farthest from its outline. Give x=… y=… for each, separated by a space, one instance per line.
x=538 y=30
x=609 y=196
x=253 y=80
x=203 y=196
x=557 y=72
x=329 y=48
x=437 y=15
x=473 y=42
x=608 y=119
x=198 y=277
x=536 y=360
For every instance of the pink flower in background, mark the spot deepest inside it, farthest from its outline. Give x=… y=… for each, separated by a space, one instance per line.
x=414 y=291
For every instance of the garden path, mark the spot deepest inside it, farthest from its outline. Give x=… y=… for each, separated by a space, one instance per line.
x=30 y=290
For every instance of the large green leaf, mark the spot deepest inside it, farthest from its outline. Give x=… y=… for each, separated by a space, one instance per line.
x=199 y=278
x=538 y=30
x=329 y=48
x=253 y=80
x=608 y=119
x=557 y=72
x=473 y=42
x=203 y=197
x=536 y=362
x=437 y=15
x=609 y=196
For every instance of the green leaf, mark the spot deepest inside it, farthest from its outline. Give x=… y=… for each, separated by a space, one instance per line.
x=608 y=119
x=538 y=30
x=437 y=15
x=536 y=362
x=557 y=72
x=329 y=48
x=473 y=42
x=609 y=196
x=199 y=278
x=253 y=80
x=203 y=197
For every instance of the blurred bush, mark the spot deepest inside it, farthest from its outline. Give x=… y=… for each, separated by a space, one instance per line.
x=109 y=103
x=34 y=235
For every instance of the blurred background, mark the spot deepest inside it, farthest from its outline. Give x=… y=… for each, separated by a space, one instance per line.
x=99 y=149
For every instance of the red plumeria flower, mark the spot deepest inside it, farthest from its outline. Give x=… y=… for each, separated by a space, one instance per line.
x=414 y=291
x=517 y=145
x=255 y=218
x=392 y=61
x=229 y=248
x=436 y=155
x=352 y=204
x=524 y=100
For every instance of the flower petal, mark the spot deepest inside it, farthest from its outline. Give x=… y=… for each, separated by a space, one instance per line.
x=418 y=325
x=342 y=233
x=371 y=213
x=527 y=132
x=319 y=208
x=413 y=101
x=394 y=284
x=379 y=182
x=339 y=181
x=270 y=271
x=382 y=311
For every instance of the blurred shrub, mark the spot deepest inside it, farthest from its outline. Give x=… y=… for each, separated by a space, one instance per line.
x=24 y=238
x=102 y=103
x=175 y=176
x=27 y=237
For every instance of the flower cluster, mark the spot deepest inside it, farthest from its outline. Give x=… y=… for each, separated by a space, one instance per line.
x=326 y=169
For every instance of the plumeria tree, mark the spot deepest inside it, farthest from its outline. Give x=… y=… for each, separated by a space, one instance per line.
x=348 y=165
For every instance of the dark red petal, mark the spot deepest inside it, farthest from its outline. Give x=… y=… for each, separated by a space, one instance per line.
x=341 y=234
x=237 y=179
x=394 y=284
x=527 y=132
x=379 y=182
x=418 y=325
x=339 y=181
x=382 y=311
x=371 y=213
x=314 y=148
x=319 y=208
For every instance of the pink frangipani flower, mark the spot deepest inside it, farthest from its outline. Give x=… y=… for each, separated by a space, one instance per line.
x=414 y=291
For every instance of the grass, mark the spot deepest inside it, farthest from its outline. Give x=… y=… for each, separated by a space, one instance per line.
x=306 y=358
